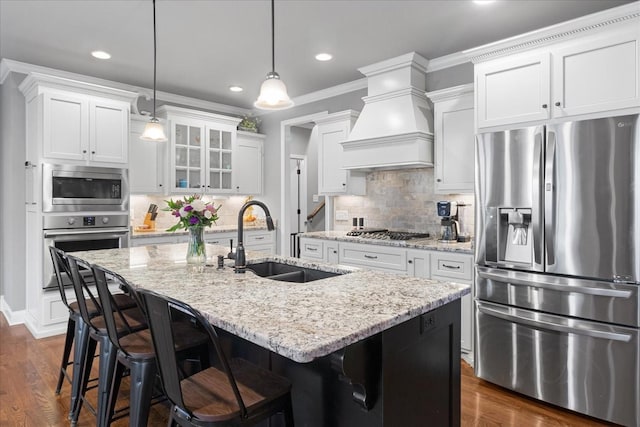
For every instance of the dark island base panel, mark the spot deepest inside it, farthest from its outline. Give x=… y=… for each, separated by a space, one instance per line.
x=406 y=376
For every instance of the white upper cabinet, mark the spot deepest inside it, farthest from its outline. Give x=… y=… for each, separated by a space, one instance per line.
x=594 y=73
x=454 y=139
x=146 y=160
x=332 y=178
x=513 y=89
x=200 y=150
x=77 y=122
x=597 y=74
x=248 y=160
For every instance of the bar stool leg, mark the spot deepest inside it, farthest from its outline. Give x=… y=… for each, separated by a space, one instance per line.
x=142 y=380
x=107 y=363
x=68 y=342
x=84 y=364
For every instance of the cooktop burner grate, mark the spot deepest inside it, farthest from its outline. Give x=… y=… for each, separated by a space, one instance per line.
x=383 y=234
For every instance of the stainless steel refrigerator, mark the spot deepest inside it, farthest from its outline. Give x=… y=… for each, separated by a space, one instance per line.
x=558 y=264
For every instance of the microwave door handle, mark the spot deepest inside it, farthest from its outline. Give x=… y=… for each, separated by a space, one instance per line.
x=549 y=198
x=546 y=322
x=538 y=200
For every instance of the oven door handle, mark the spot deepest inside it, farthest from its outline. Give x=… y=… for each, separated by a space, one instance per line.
x=544 y=321
x=106 y=233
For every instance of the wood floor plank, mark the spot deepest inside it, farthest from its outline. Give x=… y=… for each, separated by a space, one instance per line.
x=29 y=371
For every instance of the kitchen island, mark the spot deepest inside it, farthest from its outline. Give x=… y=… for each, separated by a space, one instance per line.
x=363 y=348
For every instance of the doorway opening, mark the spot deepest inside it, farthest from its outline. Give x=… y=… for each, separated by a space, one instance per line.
x=299 y=181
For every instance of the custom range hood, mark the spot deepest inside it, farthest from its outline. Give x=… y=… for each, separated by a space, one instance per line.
x=395 y=128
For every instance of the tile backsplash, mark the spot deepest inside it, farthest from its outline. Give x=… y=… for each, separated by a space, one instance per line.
x=399 y=200
x=228 y=214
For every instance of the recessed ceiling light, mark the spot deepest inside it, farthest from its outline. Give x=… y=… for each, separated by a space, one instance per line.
x=100 y=54
x=483 y=2
x=324 y=57
x=235 y=89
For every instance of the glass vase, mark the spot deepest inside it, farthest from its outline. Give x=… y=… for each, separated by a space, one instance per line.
x=196 y=251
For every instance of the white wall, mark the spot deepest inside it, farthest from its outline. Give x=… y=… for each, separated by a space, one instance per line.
x=12 y=194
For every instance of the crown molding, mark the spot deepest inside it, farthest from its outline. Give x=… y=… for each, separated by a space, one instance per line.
x=330 y=92
x=554 y=33
x=9 y=65
x=450 y=92
x=447 y=61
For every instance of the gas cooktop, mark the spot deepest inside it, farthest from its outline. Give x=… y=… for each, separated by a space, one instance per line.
x=384 y=234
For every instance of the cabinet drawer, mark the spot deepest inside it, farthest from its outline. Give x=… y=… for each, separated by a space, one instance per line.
x=220 y=239
x=449 y=266
x=378 y=257
x=153 y=240
x=258 y=238
x=312 y=249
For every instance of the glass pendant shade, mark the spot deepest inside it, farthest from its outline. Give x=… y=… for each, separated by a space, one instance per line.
x=273 y=94
x=154 y=131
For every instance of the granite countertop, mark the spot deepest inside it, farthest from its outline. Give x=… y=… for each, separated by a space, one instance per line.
x=300 y=321
x=134 y=234
x=429 y=243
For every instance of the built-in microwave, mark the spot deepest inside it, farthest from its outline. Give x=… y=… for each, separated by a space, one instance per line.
x=72 y=188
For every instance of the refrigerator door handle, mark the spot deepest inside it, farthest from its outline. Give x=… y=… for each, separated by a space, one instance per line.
x=538 y=199
x=543 y=321
x=549 y=198
x=540 y=282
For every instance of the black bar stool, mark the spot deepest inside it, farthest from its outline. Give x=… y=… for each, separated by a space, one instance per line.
x=226 y=393
x=77 y=329
x=135 y=351
x=131 y=321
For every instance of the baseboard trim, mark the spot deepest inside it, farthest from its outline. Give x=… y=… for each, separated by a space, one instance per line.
x=13 y=317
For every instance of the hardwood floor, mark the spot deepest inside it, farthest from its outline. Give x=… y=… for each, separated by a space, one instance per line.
x=29 y=369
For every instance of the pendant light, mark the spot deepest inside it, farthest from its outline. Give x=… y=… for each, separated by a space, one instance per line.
x=273 y=92
x=154 y=131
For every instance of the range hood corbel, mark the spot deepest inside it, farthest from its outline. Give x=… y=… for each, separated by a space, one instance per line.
x=395 y=127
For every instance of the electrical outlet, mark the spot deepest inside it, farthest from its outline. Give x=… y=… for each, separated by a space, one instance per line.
x=316 y=198
x=342 y=215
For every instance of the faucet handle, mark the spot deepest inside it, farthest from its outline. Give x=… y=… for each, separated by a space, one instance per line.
x=231 y=255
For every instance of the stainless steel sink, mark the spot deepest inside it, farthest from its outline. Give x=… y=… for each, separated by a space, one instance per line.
x=288 y=273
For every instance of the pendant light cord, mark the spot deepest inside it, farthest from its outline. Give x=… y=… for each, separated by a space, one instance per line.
x=273 y=38
x=154 y=59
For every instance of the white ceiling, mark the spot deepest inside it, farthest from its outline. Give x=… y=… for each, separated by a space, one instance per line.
x=206 y=46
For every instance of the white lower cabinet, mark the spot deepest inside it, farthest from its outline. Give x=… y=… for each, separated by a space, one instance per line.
x=418 y=264
x=456 y=267
x=377 y=257
x=319 y=250
x=254 y=240
x=260 y=240
x=153 y=240
x=429 y=264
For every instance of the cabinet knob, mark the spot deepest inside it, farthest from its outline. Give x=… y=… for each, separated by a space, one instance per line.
x=335 y=252
x=544 y=105
x=344 y=184
x=159 y=185
x=410 y=262
x=84 y=151
x=93 y=152
x=558 y=104
x=438 y=180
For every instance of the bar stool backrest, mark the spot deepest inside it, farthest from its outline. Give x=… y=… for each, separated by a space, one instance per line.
x=60 y=266
x=160 y=311
x=82 y=290
x=109 y=306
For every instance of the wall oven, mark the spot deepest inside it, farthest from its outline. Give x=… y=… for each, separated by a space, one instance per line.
x=72 y=233
x=72 y=188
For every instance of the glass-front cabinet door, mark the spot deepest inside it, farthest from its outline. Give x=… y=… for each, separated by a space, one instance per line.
x=187 y=156
x=219 y=160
